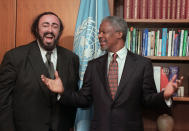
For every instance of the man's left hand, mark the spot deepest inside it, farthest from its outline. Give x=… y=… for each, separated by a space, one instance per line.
x=172 y=86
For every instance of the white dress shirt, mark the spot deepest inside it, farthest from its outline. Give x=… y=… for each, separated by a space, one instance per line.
x=53 y=59
x=121 y=57
x=53 y=55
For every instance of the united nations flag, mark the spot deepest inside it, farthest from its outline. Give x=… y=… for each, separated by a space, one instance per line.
x=86 y=45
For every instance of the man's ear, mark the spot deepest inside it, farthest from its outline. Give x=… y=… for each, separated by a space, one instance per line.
x=119 y=34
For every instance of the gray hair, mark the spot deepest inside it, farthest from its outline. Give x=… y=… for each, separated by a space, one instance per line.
x=119 y=24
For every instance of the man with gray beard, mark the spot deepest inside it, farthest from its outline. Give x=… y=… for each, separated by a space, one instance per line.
x=26 y=104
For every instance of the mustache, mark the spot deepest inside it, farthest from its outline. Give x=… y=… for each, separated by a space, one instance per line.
x=46 y=33
x=102 y=40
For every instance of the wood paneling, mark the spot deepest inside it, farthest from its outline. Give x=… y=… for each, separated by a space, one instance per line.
x=7 y=23
x=180 y=115
x=27 y=10
x=18 y=15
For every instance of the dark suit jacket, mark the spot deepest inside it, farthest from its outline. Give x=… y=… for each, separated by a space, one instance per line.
x=136 y=89
x=26 y=104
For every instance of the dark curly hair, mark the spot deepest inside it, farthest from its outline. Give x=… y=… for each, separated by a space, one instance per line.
x=34 y=27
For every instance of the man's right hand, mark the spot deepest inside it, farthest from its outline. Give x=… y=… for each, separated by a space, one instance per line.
x=55 y=85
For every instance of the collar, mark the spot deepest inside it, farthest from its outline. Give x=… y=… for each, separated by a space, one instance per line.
x=121 y=53
x=43 y=52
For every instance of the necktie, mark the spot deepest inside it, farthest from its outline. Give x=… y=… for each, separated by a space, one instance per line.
x=53 y=96
x=49 y=65
x=113 y=76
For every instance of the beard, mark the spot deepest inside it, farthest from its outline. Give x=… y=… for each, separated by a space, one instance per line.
x=47 y=46
x=104 y=48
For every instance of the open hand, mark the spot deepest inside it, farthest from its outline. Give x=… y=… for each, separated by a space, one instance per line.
x=172 y=86
x=55 y=85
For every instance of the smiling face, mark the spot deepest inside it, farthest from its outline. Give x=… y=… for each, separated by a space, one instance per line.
x=48 y=30
x=108 y=37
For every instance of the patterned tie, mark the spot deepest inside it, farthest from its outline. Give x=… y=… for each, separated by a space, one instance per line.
x=113 y=76
x=49 y=65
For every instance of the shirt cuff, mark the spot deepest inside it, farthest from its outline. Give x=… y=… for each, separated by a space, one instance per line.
x=58 y=97
x=169 y=102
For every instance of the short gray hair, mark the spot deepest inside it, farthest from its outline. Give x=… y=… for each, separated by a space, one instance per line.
x=119 y=24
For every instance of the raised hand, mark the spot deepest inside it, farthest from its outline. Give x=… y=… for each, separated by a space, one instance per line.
x=172 y=86
x=55 y=85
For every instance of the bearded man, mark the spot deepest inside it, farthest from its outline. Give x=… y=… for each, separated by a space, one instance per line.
x=26 y=104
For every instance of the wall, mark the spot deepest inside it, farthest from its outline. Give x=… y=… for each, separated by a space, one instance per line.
x=27 y=10
x=18 y=15
x=7 y=25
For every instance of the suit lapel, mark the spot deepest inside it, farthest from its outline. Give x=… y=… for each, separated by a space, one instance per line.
x=61 y=64
x=102 y=70
x=128 y=71
x=38 y=66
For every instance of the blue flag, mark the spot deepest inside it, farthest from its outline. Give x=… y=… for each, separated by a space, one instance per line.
x=87 y=47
